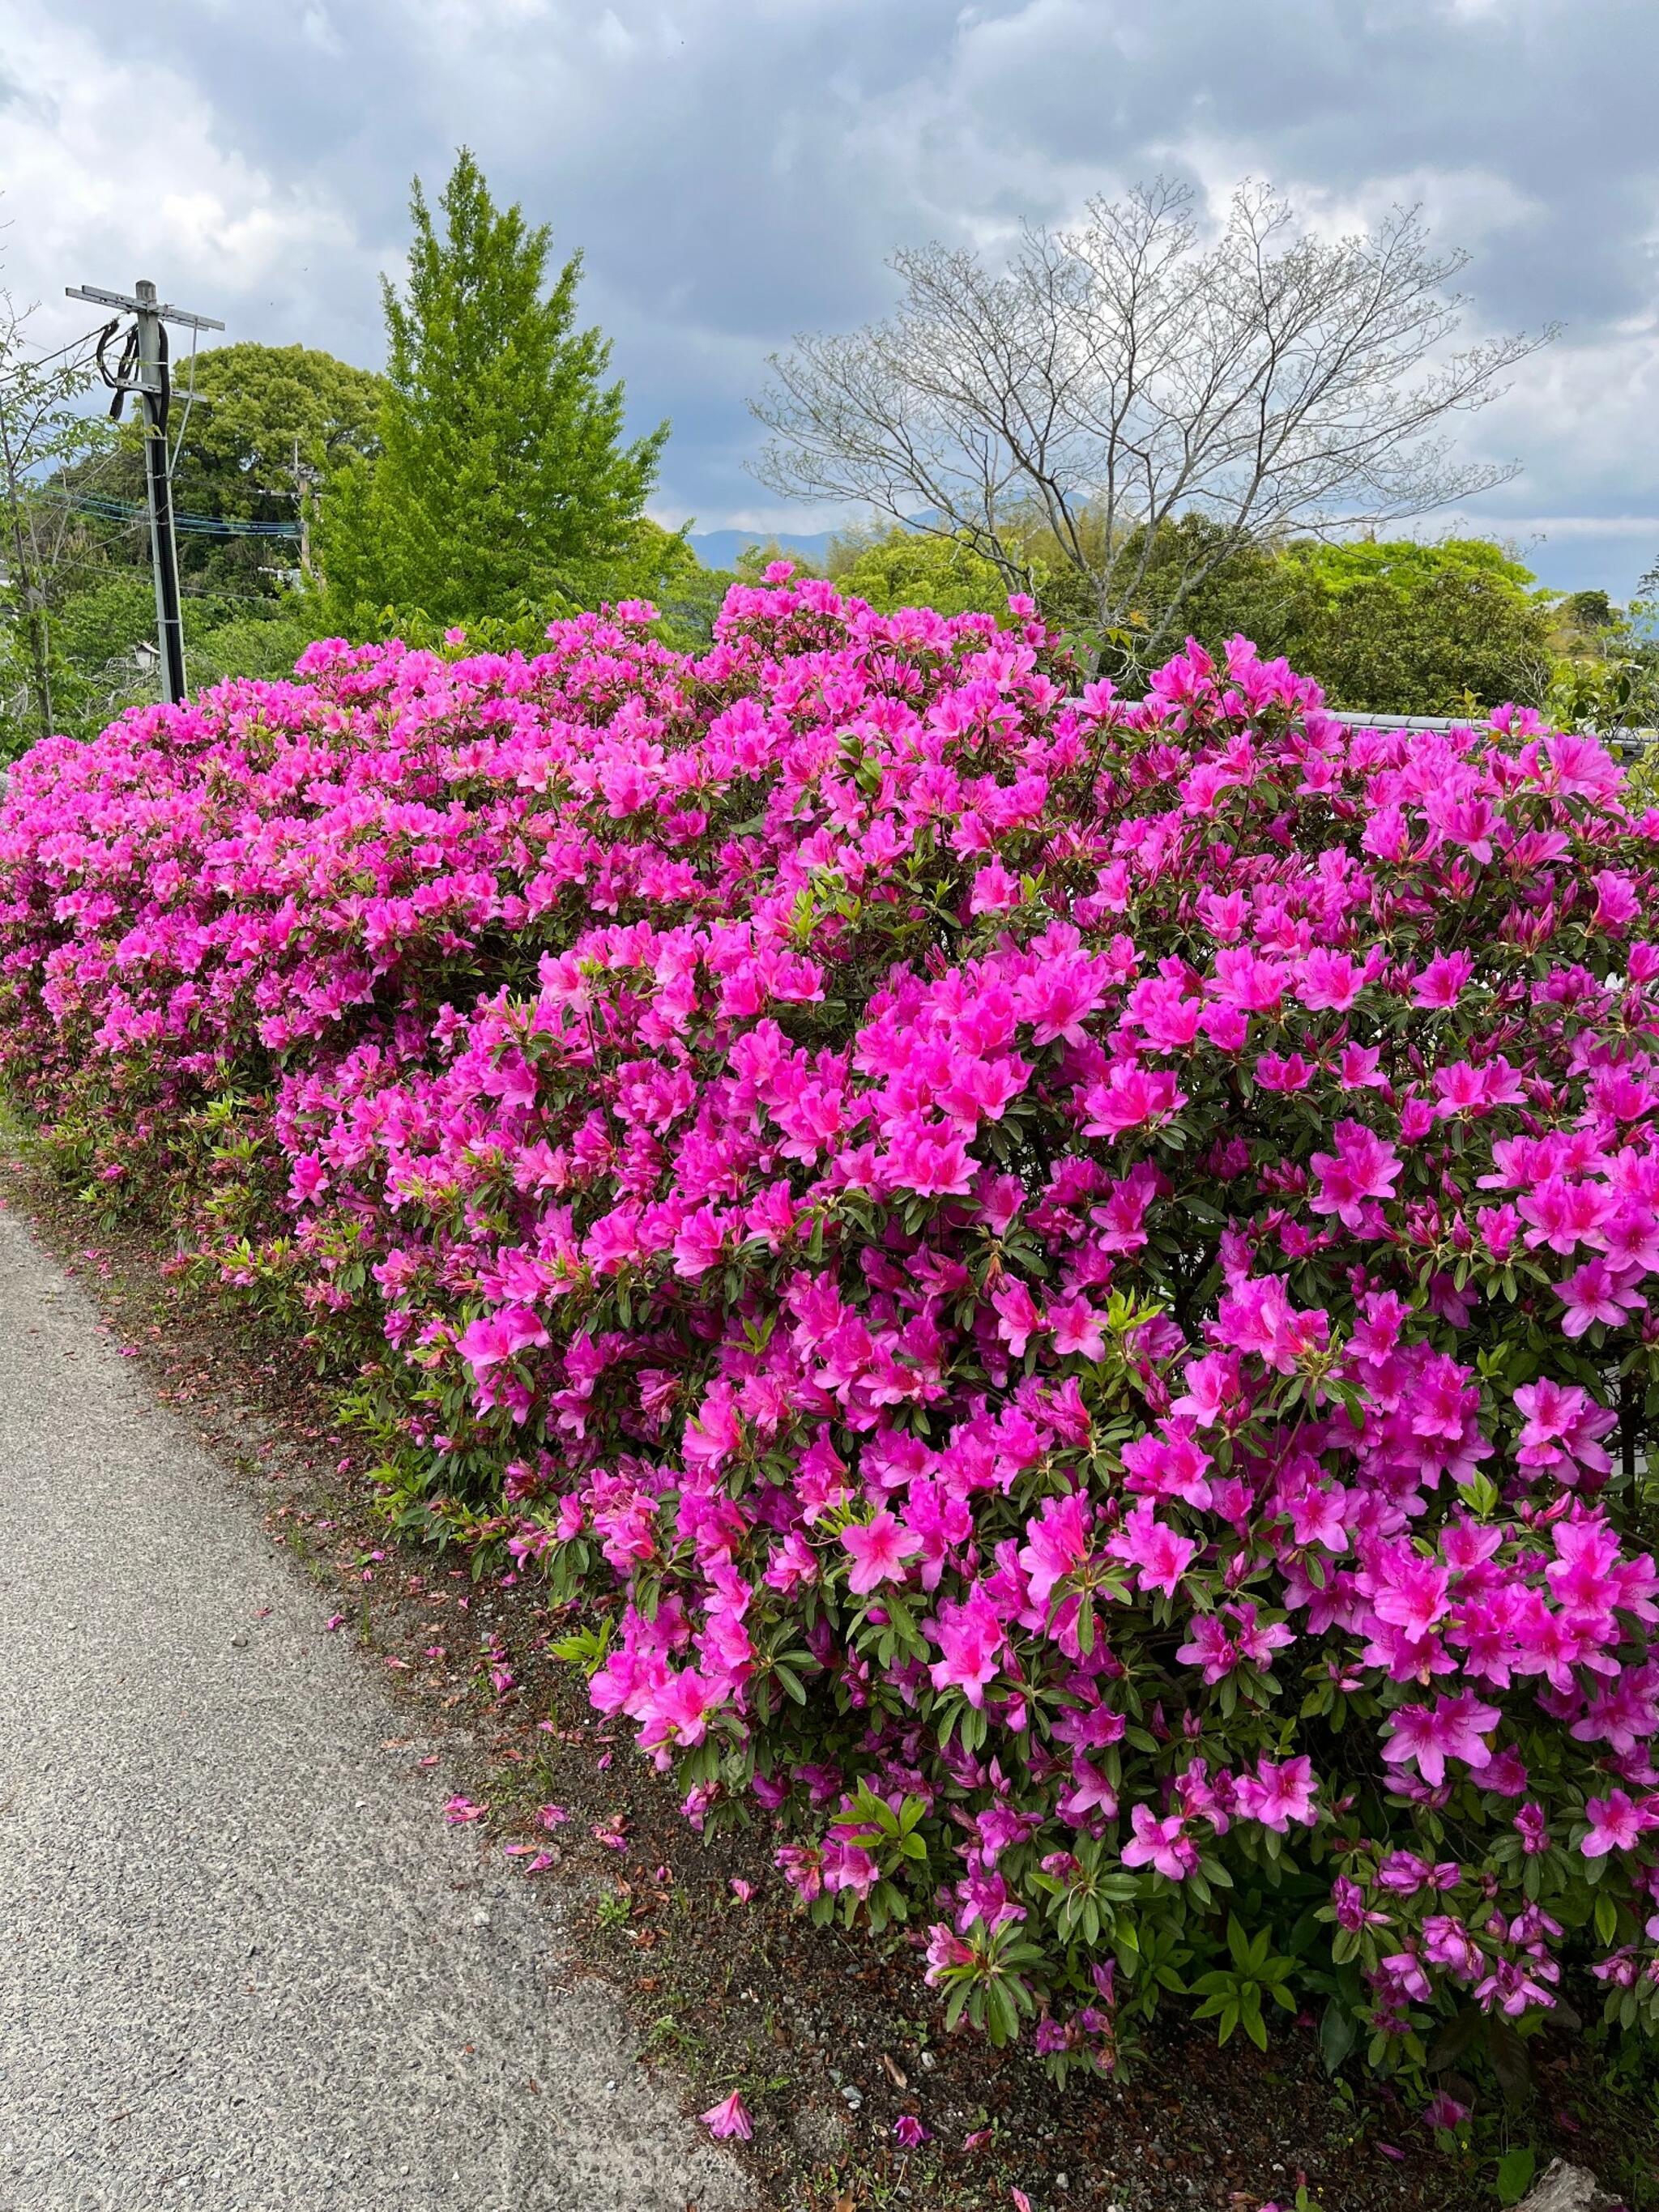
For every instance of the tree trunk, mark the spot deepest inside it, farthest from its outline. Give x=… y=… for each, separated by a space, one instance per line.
x=40 y=653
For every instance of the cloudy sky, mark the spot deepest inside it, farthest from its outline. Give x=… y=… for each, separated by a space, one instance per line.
x=738 y=170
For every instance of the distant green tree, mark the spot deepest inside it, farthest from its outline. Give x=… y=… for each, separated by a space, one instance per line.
x=1250 y=589
x=1406 y=628
x=753 y=560
x=1394 y=627
x=502 y=477
x=256 y=430
x=1240 y=586
x=688 y=594
x=911 y=569
x=1587 y=613
x=104 y=657
x=1606 y=673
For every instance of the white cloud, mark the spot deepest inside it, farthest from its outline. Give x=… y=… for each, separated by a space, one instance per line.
x=212 y=230
x=1465 y=205
x=736 y=172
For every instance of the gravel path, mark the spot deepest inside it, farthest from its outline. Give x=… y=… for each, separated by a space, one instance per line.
x=243 y=1966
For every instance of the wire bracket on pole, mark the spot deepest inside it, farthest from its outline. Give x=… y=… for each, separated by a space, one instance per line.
x=99 y=298
x=143 y=368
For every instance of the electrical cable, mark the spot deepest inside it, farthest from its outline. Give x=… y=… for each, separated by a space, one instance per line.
x=126 y=510
x=190 y=401
x=121 y=383
x=45 y=360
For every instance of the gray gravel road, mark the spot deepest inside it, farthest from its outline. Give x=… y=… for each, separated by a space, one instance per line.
x=243 y=1965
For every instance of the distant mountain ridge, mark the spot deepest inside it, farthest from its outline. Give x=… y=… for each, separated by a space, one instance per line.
x=719 y=548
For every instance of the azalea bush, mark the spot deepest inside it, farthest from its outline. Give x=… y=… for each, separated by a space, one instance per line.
x=1061 y=1288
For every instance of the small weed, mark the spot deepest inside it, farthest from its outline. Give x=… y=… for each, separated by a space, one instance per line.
x=668 y=2036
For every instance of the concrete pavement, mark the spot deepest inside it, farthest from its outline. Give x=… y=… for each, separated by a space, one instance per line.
x=235 y=1972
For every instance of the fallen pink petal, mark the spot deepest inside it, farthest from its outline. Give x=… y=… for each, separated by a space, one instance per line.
x=730 y=2118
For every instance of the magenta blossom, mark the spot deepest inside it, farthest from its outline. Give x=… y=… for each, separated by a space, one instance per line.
x=1003 y=1263
x=1426 y=1736
x=879 y=1549
x=1277 y=1795
x=729 y=2118
x=1163 y=1844
x=1616 y=1823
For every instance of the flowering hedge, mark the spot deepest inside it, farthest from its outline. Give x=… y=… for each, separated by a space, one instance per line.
x=1061 y=1287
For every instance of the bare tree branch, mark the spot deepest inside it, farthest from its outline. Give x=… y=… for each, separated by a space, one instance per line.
x=1116 y=376
x=43 y=428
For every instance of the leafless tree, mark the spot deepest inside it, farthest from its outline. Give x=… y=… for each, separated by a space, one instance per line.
x=44 y=426
x=1116 y=376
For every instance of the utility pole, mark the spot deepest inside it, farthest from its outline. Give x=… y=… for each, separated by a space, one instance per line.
x=304 y=478
x=144 y=369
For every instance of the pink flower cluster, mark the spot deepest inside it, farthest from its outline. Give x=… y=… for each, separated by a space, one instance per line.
x=1066 y=1285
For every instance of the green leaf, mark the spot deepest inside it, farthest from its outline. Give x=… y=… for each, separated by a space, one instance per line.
x=1514 y=2172
x=1339 y=2032
x=1510 y=2060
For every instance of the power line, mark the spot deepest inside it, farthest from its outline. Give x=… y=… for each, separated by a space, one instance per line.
x=125 y=510
x=45 y=360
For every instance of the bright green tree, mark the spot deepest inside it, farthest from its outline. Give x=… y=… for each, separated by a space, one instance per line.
x=914 y=568
x=501 y=479
x=1392 y=627
x=1408 y=628
x=104 y=643
x=1197 y=579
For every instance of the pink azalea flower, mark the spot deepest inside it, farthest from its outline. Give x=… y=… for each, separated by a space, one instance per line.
x=729 y=2118
x=1362 y=1167
x=1276 y=1796
x=1444 y=2111
x=1163 y=1844
x=1077 y=1328
x=971 y=1638
x=1426 y=1736
x=1129 y=1098
x=879 y=1548
x=1616 y=1823
x=1159 y=1554
x=1595 y=1292
x=1562 y=1429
